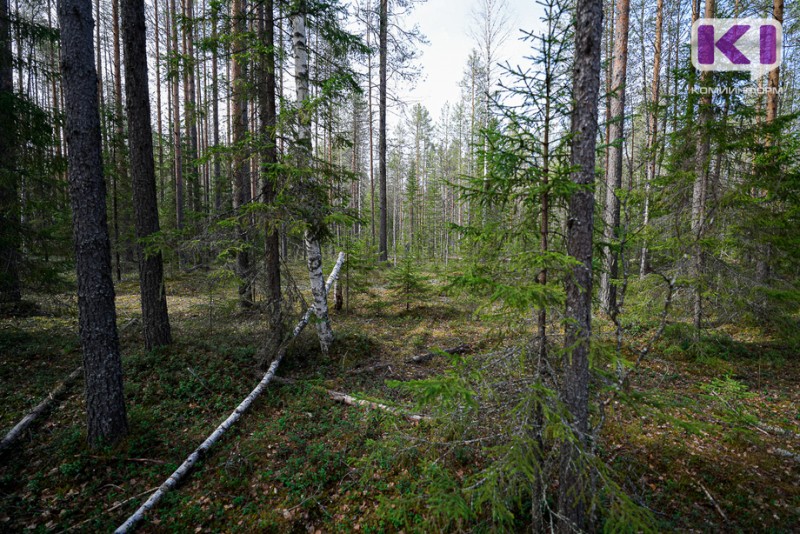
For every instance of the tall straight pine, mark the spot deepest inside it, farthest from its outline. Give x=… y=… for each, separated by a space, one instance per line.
x=145 y=204
x=105 y=404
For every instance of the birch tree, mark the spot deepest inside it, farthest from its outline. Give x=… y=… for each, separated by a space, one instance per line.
x=304 y=153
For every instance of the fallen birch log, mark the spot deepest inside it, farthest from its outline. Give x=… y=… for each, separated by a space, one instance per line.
x=420 y=358
x=43 y=407
x=354 y=401
x=47 y=404
x=193 y=458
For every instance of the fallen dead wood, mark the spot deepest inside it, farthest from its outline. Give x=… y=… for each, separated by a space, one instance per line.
x=43 y=407
x=712 y=500
x=420 y=358
x=193 y=458
x=48 y=403
x=354 y=401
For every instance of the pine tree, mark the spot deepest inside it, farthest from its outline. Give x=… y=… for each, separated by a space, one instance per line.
x=98 y=319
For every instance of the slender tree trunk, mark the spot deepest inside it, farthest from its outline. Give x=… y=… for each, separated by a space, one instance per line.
x=573 y=484
x=9 y=201
x=176 y=124
x=652 y=153
x=105 y=404
x=145 y=202
x=190 y=99
x=699 y=191
x=384 y=23
x=160 y=129
x=269 y=175
x=119 y=175
x=241 y=162
x=305 y=150
x=616 y=141
x=218 y=183
x=544 y=231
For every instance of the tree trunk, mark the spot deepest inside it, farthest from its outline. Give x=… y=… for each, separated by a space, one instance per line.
x=155 y=319
x=699 y=191
x=119 y=175
x=160 y=127
x=9 y=201
x=616 y=132
x=314 y=252
x=190 y=99
x=218 y=182
x=107 y=420
x=241 y=165
x=652 y=153
x=176 y=124
x=773 y=85
x=573 y=490
x=382 y=237
x=269 y=160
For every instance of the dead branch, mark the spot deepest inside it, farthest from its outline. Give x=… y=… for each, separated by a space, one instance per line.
x=710 y=498
x=193 y=458
x=43 y=407
x=420 y=358
x=354 y=401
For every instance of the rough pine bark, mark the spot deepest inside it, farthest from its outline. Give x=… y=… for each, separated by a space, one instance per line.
x=616 y=132
x=269 y=160
x=155 y=319
x=9 y=203
x=304 y=148
x=105 y=404
x=573 y=483
x=241 y=164
x=382 y=39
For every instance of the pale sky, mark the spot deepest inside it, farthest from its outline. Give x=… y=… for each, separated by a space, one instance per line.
x=446 y=23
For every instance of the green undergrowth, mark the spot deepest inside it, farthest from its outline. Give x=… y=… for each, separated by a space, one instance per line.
x=707 y=414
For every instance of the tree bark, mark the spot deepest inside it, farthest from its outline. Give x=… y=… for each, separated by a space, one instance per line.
x=304 y=147
x=9 y=200
x=241 y=165
x=382 y=38
x=176 y=125
x=573 y=490
x=652 y=153
x=616 y=140
x=269 y=160
x=699 y=191
x=107 y=420
x=155 y=319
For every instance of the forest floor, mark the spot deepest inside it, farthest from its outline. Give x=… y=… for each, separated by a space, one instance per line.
x=707 y=440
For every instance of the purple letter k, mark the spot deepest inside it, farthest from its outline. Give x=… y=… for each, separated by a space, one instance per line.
x=726 y=44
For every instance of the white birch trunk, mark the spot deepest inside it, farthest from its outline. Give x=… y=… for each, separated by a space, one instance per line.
x=198 y=453
x=304 y=147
